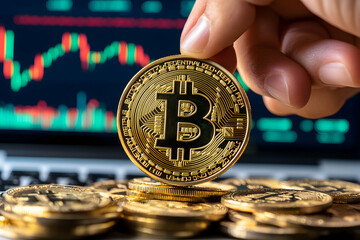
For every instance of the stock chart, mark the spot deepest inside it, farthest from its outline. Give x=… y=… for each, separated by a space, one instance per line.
x=65 y=63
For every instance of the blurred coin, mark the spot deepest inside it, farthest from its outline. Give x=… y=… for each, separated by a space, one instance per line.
x=165 y=224
x=252 y=183
x=116 y=189
x=338 y=216
x=184 y=121
x=251 y=230
x=32 y=231
x=172 y=209
x=151 y=233
x=341 y=191
x=208 y=189
x=47 y=199
x=237 y=216
x=277 y=200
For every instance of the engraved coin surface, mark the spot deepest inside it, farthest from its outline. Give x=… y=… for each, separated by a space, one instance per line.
x=252 y=183
x=184 y=121
x=116 y=189
x=338 y=216
x=341 y=191
x=277 y=200
x=208 y=189
x=51 y=198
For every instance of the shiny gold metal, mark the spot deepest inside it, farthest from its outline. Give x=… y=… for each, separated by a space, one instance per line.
x=277 y=200
x=165 y=224
x=252 y=183
x=145 y=232
x=116 y=189
x=337 y=217
x=251 y=230
x=132 y=194
x=203 y=190
x=341 y=191
x=237 y=216
x=173 y=209
x=49 y=199
x=184 y=121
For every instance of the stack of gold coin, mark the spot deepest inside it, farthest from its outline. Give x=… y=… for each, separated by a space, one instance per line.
x=170 y=219
x=56 y=212
x=306 y=209
x=147 y=188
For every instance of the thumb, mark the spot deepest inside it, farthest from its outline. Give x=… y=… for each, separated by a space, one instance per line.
x=215 y=26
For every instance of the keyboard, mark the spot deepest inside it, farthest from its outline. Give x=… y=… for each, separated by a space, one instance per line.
x=21 y=171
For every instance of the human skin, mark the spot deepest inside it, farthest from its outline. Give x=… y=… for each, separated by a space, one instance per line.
x=302 y=56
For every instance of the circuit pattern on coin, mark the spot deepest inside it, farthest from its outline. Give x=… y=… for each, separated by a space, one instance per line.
x=184 y=121
x=277 y=200
x=53 y=198
x=341 y=191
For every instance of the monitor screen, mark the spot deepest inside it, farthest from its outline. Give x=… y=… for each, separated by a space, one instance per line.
x=65 y=63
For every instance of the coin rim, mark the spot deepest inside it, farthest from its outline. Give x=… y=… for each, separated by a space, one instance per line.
x=145 y=185
x=173 y=182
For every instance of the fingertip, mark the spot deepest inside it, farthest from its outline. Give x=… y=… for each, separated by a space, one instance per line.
x=221 y=23
x=197 y=10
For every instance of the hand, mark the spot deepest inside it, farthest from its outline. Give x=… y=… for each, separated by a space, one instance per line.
x=303 y=57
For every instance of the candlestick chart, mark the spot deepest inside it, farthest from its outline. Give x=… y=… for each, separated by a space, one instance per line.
x=86 y=116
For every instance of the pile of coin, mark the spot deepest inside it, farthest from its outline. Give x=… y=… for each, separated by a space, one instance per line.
x=52 y=211
x=301 y=209
x=263 y=209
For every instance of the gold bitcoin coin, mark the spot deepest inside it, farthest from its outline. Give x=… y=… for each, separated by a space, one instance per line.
x=337 y=217
x=173 y=209
x=116 y=189
x=252 y=183
x=341 y=191
x=184 y=121
x=203 y=190
x=277 y=200
x=49 y=199
x=251 y=230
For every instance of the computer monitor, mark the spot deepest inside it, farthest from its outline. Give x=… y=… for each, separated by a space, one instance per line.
x=65 y=63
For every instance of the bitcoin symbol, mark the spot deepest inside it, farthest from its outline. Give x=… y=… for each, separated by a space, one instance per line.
x=186 y=127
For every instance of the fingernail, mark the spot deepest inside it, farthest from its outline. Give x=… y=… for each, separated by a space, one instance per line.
x=276 y=86
x=335 y=74
x=197 y=38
